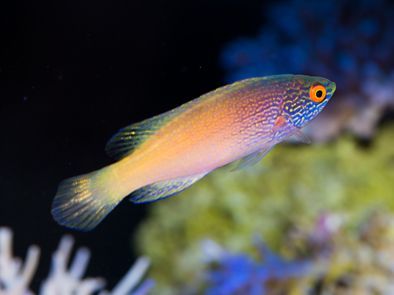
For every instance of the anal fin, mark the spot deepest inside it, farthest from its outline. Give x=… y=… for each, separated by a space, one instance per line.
x=163 y=189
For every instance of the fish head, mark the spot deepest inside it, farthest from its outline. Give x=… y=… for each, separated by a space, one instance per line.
x=305 y=97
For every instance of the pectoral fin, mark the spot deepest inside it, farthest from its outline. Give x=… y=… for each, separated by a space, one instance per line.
x=300 y=136
x=250 y=159
x=163 y=189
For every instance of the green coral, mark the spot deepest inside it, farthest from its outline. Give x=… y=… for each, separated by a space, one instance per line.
x=292 y=185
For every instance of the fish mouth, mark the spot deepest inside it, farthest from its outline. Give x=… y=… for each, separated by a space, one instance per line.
x=330 y=88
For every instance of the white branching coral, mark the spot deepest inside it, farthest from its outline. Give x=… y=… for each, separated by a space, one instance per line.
x=16 y=277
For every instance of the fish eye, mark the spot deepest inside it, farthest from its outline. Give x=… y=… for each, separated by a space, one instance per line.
x=317 y=93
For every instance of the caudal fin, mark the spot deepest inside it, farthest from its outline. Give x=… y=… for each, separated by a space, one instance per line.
x=83 y=201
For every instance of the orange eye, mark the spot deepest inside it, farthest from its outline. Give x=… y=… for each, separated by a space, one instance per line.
x=317 y=93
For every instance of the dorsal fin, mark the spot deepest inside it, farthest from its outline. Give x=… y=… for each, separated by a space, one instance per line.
x=127 y=139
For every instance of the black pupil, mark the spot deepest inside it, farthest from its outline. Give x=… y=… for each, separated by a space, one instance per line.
x=319 y=93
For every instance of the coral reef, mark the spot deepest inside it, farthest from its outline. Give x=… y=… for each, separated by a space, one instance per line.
x=15 y=278
x=349 y=42
x=362 y=263
x=288 y=191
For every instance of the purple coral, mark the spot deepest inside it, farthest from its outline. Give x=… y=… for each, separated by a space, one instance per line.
x=350 y=42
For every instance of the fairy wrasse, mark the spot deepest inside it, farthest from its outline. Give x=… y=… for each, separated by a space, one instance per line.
x=164 y=155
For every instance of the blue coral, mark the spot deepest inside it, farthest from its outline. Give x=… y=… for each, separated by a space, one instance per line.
x=240 y=274
x=350 y=42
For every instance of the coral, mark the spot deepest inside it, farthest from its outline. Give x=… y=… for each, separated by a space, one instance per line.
x=15 y=279
x=349 y=42
x=358 y=263
x=290 y=189
x=241 y=274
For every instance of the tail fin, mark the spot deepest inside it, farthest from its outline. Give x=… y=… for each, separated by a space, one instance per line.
x=81 y=202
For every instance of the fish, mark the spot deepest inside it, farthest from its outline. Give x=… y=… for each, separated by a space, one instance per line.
x=164 y=155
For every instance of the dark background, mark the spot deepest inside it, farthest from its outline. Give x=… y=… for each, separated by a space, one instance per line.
x=71 y=74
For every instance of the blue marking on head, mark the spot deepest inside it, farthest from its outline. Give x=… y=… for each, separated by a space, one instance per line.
x=298 y=104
